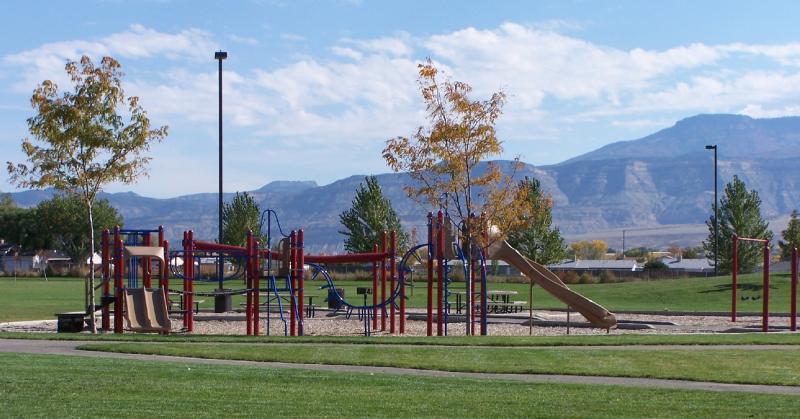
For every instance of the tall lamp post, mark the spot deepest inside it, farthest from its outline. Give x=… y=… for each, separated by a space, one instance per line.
x=219 y=56
x=716 y=212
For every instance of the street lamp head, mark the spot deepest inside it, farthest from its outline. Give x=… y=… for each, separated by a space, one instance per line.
x=711 y=147
x=220 y=55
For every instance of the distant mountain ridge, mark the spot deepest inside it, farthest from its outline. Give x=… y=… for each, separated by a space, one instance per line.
x=665 y=178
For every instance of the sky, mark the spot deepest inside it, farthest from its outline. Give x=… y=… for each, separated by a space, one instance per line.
x=312 y=90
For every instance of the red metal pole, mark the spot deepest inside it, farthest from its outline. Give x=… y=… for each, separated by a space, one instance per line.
x=485 y=249
x=106 y=314
x=439 y=272
x=186 y=273
x=293 y=282
x=147 y=278
x=249 y=308
x=383 y=282
x=190 y=283
x=256 y=285
x=375 y=290
x=765 y=306
x=164 y=280
x=301 y=280
x=118 y=290
x=734 y=273
x=429 y=325
x=392 y=279
x=793 y=297
x=163 y=272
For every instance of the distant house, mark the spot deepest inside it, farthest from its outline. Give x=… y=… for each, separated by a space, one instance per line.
x=689 y=266
x=595 y=266
x=12 y=260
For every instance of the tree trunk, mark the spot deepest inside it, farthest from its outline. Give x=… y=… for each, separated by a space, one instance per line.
x=92 y=317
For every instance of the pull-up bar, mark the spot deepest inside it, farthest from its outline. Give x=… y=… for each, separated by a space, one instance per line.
x=765 y=286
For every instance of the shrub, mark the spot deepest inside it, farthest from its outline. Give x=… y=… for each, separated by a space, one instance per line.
x=569 y=277
x=587 y=278
x=607 y=277
x=655 y=265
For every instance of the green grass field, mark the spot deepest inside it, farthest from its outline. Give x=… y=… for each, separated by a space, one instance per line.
x=35 y=298
x=55 y=386
x=775 y=366
x=454 y=341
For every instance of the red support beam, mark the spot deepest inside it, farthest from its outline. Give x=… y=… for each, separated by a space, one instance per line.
x=300 y=281
x=118 y=288
x=383 y=282
x=249 y=285
x=793 y=297
x=375 y=291
x=439 y=273
x=164 y=280
x=105 y=272
x=734 y=273
x=392 y=279
x=429 y=325
x=147 y=277
x=256 y=285
x=765 y=297
x=189 y=282
x=293 y=282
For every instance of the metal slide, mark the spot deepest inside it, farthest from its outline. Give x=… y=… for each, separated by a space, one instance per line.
x=593 y=312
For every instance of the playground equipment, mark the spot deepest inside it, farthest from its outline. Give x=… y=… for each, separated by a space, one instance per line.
x=765 y=282
x=445 y=247
x=281 y=271
x=279 y=275
x=144 y=308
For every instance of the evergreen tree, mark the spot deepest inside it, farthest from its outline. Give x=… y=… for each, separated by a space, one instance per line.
x=240 y=215
x=791 y=236
x=538 y=239
x=370 y=214
x=739 y=214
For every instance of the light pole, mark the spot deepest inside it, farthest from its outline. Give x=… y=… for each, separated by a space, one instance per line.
x=219 y=56
x=716 y=212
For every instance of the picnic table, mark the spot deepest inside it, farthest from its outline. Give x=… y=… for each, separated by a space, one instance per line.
x=499 y=301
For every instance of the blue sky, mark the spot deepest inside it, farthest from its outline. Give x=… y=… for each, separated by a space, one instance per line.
x=313 y=89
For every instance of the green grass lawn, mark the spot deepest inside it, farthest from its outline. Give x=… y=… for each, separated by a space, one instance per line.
x=55 y=386
x=775 y=366
x=34 y=298
x=478 y=341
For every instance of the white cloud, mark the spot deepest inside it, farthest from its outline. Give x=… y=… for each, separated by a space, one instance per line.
x=365 y=92
x=48 y=60
x=243 y=40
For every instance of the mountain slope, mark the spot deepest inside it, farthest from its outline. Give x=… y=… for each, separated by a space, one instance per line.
x=662 y=179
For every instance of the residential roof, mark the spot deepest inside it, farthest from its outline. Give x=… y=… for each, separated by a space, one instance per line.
x=689 y=264
x=597 y=264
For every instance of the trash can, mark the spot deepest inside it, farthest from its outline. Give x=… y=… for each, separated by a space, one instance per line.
x=222 y=302
x=334 y=302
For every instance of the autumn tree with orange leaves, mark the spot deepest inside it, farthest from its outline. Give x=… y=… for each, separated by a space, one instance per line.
x=444 y=157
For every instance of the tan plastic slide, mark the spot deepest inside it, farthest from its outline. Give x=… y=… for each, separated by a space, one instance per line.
x=146 y=310
x=593 y=312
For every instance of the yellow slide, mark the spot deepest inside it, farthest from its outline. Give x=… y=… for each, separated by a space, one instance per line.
x=593 y=312
x=146 y=310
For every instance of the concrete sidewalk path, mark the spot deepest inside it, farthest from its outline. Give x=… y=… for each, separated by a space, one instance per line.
x=69 y=348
